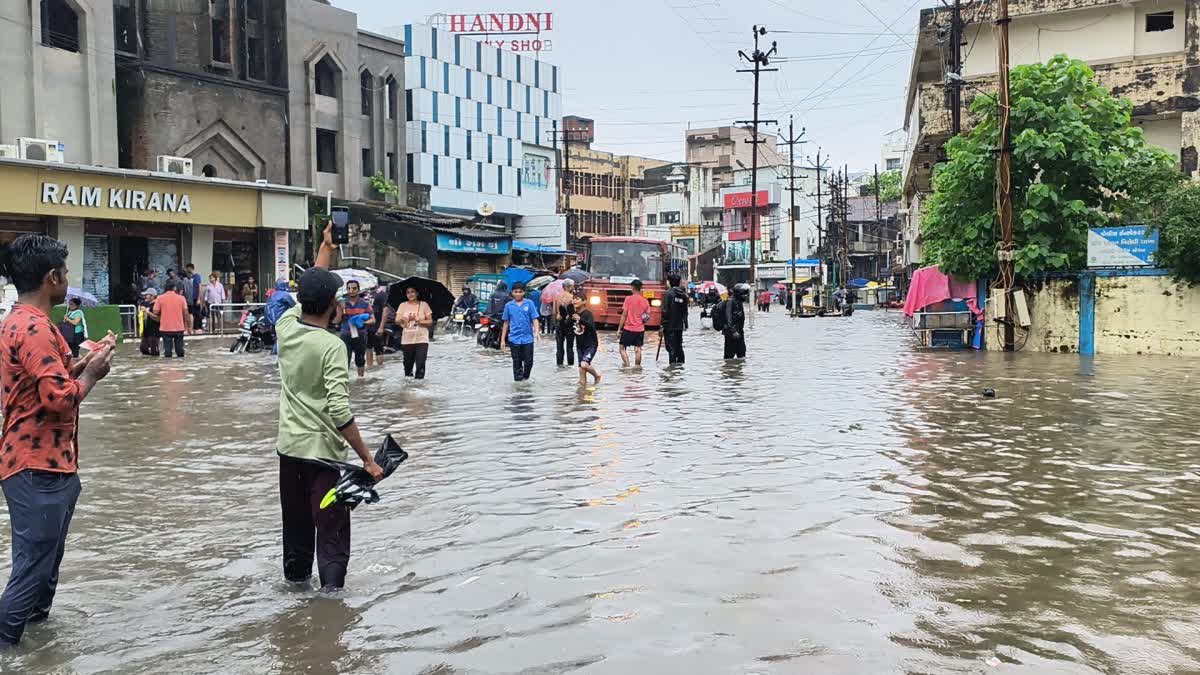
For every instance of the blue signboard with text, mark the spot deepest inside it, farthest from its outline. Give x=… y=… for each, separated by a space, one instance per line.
x=457 y=243
x=1124 y=246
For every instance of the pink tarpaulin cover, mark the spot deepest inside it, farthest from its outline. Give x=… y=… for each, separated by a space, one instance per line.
x=929 y=286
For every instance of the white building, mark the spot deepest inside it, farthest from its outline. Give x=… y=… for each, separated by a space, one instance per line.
x=678 y=203
x=482 y=131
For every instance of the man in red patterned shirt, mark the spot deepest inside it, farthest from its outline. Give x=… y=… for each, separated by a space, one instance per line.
x=39 y=450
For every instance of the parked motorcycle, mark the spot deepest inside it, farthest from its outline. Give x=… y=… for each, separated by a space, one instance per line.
x=462 y=321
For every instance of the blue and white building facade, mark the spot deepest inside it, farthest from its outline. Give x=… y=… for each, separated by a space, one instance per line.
x=482 y=129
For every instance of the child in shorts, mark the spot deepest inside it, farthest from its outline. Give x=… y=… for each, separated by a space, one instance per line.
x=586 y=340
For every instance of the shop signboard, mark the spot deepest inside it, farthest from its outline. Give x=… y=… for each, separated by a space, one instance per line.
x=452 y=242
x=1125 y=246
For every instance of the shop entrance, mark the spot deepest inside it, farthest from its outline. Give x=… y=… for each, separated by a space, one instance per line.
x=235 y=259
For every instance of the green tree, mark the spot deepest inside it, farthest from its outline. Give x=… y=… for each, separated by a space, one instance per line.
x=1178 y=218
x=1077 y=163
x=889 y=185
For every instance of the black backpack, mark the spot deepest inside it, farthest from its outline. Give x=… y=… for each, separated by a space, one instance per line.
x=719 y=316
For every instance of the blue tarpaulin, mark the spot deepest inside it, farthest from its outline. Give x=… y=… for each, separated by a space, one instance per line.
x=538 y=248
x=514 y=274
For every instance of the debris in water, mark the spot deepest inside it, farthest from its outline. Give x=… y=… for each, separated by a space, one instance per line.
x=989 y=393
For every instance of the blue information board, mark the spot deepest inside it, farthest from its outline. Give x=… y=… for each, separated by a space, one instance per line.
x=1124 y=246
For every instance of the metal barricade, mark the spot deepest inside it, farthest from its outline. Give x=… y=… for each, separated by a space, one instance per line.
x=227 y=319
x=129 y=321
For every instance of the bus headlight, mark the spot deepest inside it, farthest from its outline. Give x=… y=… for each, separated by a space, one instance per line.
x=656 y=303
x=594 y=300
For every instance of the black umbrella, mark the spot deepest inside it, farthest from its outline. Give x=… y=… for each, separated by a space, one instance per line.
x=439 y=298
x=575 y=274
x=355 y=485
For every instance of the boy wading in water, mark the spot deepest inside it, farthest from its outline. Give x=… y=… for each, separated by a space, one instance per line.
x=586 y=340
x=315 y=424
x=520 y=329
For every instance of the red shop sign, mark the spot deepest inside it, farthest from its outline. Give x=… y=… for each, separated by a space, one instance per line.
x=741 y=200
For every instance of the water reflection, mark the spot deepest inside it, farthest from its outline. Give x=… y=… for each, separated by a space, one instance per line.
x=833 y=503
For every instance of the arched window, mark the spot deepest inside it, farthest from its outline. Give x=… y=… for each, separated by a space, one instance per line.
x=393 y=98
x=60 y=25
x=366 y=84
x=209 y=171
x=326 y=75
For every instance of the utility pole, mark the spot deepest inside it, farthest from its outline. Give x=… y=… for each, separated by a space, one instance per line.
x=820 y=226
x=791 y=142
x=564 y=177
x=956 y=66
x=759 y=59
x=878 y=223
x=1004 y=180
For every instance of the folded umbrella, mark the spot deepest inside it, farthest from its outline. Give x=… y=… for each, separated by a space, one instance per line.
x=434 y=293
x=354 y=485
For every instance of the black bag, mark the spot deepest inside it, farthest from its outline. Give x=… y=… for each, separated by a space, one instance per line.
x=719 y=316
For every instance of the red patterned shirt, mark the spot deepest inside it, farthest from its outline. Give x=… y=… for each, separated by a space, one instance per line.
x=40 y=398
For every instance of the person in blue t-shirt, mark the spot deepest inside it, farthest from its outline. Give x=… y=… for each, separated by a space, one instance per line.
x=520 y=327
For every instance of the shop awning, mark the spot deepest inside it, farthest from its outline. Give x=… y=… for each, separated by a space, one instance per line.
x=527 y=247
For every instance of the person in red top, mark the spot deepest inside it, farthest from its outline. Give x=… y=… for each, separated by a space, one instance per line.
x=39 y=449
x=635 y=312
x=171 y=310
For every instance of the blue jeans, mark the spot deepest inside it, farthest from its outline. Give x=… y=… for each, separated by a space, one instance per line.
x=40 y=506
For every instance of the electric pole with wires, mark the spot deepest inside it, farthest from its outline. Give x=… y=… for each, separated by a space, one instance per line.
x=954 y=95
x=1004 y=179
x=791 y=141
x=759 y=59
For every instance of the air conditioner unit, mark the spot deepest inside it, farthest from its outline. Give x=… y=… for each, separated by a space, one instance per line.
x=9 y=151
x=179 y=165
x=40 y=149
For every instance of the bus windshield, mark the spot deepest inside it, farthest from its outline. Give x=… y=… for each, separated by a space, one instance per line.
x=627 y=259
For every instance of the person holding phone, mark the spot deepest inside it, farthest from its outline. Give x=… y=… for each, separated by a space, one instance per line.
x=414 y=317
x=315 y=425
x=42 y=389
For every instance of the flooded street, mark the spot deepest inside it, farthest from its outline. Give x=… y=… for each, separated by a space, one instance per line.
x=836 y=503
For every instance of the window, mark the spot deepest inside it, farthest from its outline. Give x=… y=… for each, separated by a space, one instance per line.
x=479 y=117
x=518 y=69
x=651 y=220
x=509 y=83
x=409 y=161
x=669 y=217
x=510 y=155
x=518 y=125
x=424 y=136
x=391 y=167
x=125 y=26
x=325 y=75
x=256 y=44
x=366 y=86
x=209 y=171
x=220 y=24
x=457 y=174
x=893 y=164
x=553 y=80
x=60 y=25
x=368 y=163
x=457 y=112
x=327 y=151
x=489 y=148
x=1157 y=22
x=408 y=98
x=499 y=181
x=435 y=106
x=469 y=145
x=479 y=176
x=489 y=88
x=446 y=141
x=470 y=76
x=445 y=78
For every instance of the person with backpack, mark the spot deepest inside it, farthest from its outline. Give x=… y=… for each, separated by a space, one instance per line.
x=675 y=319
x=729 y=317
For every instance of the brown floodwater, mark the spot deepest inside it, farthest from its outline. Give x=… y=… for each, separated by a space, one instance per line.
x=839 y=502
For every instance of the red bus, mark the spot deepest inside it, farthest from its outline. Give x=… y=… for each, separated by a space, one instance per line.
x=614 y=262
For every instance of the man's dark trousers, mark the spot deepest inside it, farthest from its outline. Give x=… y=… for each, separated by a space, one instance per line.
x=40 y=506
x=522 y=358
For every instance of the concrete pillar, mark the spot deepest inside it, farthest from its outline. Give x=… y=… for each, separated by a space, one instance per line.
x=70 y=232
x=1087 y=313
x=200 y=251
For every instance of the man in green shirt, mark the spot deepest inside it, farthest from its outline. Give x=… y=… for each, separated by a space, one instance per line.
x=315 y=424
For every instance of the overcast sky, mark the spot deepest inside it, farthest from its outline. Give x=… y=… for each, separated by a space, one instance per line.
x=647 y=69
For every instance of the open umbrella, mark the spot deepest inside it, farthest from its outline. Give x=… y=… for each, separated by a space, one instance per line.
x=705 y=285
x=437 y=296
x=354 y=485
x=556 y=288
x=366 y=280
x=575 y=274
x=86 y=299
x=539 y=283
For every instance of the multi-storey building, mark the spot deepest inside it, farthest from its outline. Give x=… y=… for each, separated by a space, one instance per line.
x=727 y=150
x=482 y=132
x=1145 y=50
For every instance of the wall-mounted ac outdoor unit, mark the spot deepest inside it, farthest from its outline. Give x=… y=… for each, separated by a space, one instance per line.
x=9 y=151
x=170 y=164
x=40 y=149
